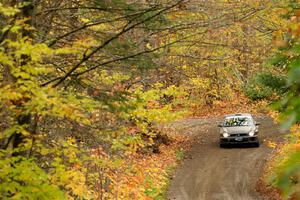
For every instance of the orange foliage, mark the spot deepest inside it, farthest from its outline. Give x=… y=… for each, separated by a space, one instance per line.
x=239 y=105
x=143 y=173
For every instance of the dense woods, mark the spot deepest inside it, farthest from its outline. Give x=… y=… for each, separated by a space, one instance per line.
x=86 y=85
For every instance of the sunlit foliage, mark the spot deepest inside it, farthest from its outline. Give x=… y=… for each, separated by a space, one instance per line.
x=286 y=168
x=85 y=85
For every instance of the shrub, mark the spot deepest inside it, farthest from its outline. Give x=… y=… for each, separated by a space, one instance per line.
x=265 y=86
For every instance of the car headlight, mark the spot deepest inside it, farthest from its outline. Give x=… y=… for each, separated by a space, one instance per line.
x=251 y=133
x=225 y=134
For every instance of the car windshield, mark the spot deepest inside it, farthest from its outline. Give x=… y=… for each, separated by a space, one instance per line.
x=238 y=121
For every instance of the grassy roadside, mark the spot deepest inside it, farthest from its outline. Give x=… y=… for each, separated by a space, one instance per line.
x=170 y=156
x=180 y=153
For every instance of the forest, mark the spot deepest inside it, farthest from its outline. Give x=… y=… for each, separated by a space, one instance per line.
x=87 y=88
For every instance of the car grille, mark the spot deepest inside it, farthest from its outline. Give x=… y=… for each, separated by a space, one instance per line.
x=239 y=134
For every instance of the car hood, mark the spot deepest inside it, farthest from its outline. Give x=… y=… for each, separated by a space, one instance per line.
x=238 y=129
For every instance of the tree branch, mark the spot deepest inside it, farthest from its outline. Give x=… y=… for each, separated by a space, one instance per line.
x=124 y=58
x=124 y=30
x=55 y=40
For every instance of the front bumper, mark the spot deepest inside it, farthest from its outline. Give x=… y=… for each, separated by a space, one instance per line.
x=239 y=140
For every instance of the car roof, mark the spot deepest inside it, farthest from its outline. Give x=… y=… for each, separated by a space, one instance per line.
x=239 y=114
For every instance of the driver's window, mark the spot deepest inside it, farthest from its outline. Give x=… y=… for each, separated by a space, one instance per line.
x=244 y=121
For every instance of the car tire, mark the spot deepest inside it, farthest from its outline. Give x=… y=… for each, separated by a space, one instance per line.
x=257 y=144
x=222 y=145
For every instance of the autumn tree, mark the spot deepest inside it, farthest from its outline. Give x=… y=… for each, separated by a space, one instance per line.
x=84 y=84
x=57 y=83
x=285 y=166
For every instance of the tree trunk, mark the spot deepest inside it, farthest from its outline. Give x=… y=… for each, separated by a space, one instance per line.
x=8 y=79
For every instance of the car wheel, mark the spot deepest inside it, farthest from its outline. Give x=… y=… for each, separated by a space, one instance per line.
x=222 y=145
x=257 y=144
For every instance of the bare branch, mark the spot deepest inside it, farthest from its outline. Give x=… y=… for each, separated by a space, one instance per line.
x=87 y=25
x=124 y=58
x=124 y=30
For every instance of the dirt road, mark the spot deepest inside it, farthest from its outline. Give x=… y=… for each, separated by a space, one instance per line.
x=213 y=173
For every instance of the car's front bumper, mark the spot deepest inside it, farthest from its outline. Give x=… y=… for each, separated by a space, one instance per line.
x=239 y=140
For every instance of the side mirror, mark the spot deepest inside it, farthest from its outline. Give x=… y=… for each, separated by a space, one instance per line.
x=257 y=123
